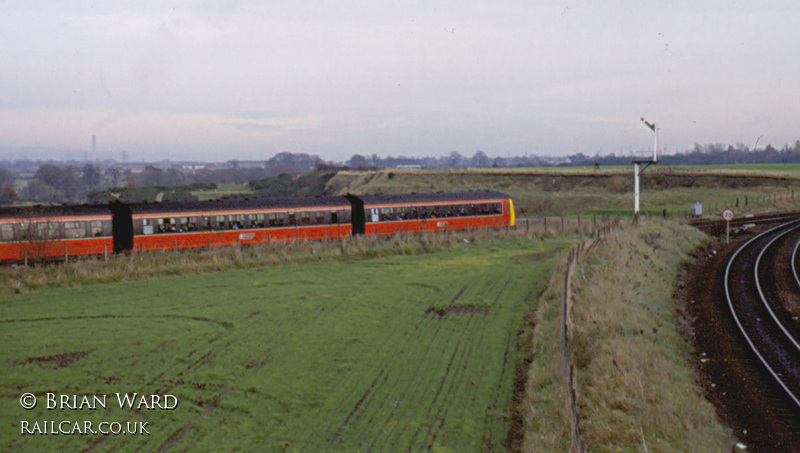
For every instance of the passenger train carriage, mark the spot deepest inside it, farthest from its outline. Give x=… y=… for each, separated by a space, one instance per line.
x=65 y=231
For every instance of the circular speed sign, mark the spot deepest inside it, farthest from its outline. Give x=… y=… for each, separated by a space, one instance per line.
x=727 y=215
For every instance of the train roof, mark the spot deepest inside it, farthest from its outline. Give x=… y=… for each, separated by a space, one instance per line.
x=432 y=197
x=39 y=211
x=22 y=212
x=238 y=203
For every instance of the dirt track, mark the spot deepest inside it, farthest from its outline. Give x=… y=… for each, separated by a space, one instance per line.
x=746 y=402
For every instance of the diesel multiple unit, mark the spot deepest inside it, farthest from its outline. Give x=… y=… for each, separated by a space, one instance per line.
x=59 y=231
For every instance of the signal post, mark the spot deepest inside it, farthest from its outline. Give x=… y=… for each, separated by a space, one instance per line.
x=640 y=165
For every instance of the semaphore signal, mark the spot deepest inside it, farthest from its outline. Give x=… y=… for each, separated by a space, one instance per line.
x=639 y=165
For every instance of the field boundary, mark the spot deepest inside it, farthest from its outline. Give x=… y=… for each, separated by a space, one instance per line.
x=576 y=256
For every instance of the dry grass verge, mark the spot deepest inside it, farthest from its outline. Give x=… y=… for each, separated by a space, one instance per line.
x=635 y=389
x=139 y=266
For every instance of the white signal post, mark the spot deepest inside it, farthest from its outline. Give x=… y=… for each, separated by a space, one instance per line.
x=639 y=165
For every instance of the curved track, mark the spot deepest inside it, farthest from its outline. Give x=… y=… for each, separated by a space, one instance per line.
x=756 y=281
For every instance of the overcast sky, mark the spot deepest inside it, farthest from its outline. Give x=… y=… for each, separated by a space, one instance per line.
x=218 y=80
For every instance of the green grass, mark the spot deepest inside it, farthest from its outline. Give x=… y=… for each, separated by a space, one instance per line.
x=398 y=352
x=783 y=168
x=565 y=191
x=221 y=191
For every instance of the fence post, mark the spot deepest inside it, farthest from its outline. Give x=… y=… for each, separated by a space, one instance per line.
x=66 y=256
x=105 y=253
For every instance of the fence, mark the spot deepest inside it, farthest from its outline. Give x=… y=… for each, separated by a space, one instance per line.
x=575 y=257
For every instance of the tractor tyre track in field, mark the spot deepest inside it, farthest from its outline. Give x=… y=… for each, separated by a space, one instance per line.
x=359 y=403
x=444 y=379
x=460 y=361
x=419 y=364
x=387 y=365
x=454 y=380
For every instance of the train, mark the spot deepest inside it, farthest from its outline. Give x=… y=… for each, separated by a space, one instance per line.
x=54 y=232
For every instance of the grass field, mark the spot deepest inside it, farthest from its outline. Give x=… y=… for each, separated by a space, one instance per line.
x=395 y=353
x=557 y=191
x=221 y=191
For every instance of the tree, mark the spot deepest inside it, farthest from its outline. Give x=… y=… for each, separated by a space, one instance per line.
x=37 y=190
x=91 y=176
x=115 y=174
x=150 y=176
x=6 y=177
x=8 y=195
x=358 y=161
x=64 y=181
x=454 y=159
x=480 y=159
x=39 y=233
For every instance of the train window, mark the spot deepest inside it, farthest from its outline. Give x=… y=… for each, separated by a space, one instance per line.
x=344 y=216
x=74 y=229
x=387 y=214
x=167 y=225
x=320 y=220
x=48 y=230
x=292 y=220
x=220 y=222
x=276 y=220
x=22 y=230
x=334 y=217
x=237 y=221
x=96 y=228
x=147 y=226
x=497 y=208
x=6 y=232
x=257 y=221
x=305 y=218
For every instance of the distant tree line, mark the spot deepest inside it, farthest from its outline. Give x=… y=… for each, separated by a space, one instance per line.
x=709 y=154
x=53 y=183
x=452 y=160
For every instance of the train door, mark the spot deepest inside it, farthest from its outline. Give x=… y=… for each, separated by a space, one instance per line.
x=121 y=227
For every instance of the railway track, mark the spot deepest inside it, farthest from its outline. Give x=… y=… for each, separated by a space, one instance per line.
x=759 y=276
x=716 y=226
